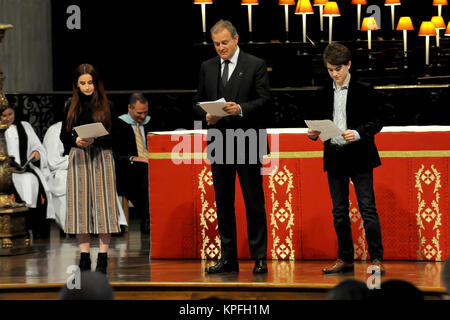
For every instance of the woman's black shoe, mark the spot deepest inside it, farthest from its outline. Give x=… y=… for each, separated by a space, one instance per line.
x=102 y=262
x=85 y=261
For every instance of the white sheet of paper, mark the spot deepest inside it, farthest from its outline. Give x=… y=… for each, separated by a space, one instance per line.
x=327 y=128
x=27 y=163
x=214 y=108
x=91 y=130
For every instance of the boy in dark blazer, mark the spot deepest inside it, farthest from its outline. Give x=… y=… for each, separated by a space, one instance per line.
x=242 y=80
x=352 y=106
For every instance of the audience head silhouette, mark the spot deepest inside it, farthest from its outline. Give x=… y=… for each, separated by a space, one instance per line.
x=446 y=276
x=94 y=286
x=350 y=289
x=392 y=290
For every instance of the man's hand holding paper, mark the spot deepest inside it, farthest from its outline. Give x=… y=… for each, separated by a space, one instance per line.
x=215 y=108
x=326 y=129
x=232 y=108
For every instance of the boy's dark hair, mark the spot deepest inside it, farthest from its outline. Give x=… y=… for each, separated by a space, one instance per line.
x=336 y=54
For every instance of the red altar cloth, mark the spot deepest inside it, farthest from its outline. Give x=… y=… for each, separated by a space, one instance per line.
x=411 y=189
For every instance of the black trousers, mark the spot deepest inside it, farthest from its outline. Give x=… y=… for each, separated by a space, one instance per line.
x=224 y=178
x=339 y=190
x=136 y=190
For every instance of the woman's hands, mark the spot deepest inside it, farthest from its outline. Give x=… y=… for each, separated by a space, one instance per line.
x=83 y=143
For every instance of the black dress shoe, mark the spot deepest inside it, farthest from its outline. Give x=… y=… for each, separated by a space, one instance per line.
x=224 y=265
x=260 y=266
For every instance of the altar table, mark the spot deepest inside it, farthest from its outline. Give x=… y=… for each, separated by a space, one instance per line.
x=411 y=190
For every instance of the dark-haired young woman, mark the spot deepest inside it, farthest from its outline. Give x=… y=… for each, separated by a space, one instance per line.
x=91 y=184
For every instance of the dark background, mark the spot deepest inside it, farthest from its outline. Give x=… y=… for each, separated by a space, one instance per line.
x=154 y=45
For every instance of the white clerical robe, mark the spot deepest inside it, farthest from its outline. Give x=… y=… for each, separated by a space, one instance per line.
x=57 y=179
x=26 y=184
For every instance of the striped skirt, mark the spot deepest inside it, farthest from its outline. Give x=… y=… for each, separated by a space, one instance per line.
x=91 y=205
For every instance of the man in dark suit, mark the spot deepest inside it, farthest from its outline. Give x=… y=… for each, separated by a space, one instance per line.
x=236 y=143
x=130 y=153
x=354 y=108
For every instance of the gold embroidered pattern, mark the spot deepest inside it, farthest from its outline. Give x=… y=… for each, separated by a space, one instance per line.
x=428 y=213
x=360 y=244
x=282 y=214
x=208 y=217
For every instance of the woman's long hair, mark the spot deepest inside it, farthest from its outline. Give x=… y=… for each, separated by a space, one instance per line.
x=100 y=104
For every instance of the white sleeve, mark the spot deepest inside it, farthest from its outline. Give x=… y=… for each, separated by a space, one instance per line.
x=55 y=149
x=34 y=144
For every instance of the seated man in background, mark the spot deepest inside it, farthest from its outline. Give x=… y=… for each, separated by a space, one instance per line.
x=131 y=157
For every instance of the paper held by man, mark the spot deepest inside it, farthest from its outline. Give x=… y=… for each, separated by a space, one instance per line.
x=327 y=128
x=215 y=108
x=91 y=130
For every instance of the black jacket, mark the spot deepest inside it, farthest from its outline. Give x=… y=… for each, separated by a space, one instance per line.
x=124 y=147
x=364 y=113
x=247 y=86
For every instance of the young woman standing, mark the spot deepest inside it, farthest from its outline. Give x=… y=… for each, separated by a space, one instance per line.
x=91 y=184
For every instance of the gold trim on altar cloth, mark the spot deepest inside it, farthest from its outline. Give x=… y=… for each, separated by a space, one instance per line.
x=308 y=154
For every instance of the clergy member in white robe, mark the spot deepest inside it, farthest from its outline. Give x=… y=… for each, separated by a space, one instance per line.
x=27 y=184
x=57 y=179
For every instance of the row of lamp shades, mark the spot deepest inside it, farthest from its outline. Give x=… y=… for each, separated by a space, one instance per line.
x=330 y=9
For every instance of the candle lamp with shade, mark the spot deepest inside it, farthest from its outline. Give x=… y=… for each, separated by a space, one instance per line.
x=439 y=4
x=426 y=30
x=369 y=24
x=249 y=4
x=405 y=24
x=392 y=4
x=203 y=3
x=331 y=10
x=286 y=4
x=320 y=4
x=304 y=7
x=359 y=3
x=447 y=31
x=439 y=24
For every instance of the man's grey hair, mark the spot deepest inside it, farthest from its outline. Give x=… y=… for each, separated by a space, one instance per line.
x=135 y=97
x=224 y=24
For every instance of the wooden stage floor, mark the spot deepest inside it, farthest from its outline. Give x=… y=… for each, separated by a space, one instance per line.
x=134 y=276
